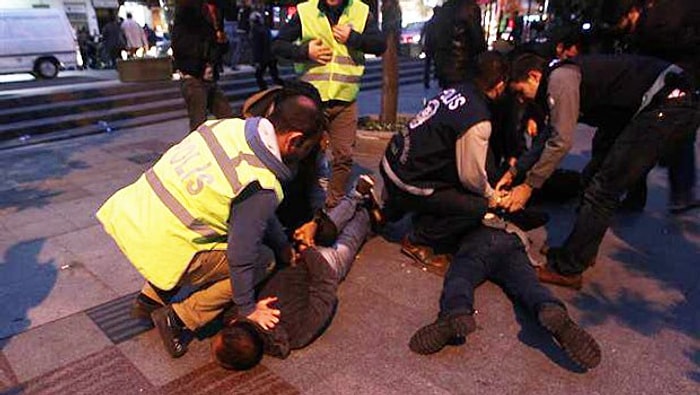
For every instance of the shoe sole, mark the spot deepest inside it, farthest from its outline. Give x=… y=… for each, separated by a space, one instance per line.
x=430 y=339
x=578 y=344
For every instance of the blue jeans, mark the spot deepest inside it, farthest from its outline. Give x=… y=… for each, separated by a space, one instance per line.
x=641 y=144
x=353 y=225
x=491 y=254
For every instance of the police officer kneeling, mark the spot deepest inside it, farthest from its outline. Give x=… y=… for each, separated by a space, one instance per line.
x=436 y=169
x=200 y=215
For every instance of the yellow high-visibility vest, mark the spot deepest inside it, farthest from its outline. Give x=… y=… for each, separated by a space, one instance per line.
x=340 y=78
x=182 y=204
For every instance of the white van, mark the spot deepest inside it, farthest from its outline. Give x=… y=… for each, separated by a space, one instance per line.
x=39 y=41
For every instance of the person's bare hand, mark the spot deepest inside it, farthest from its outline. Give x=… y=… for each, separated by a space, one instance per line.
x=221 y=37
x=305 y=235
x=264 y=315
x=318 y=52
x=341 y=33
x=532 y=127
x=505 y=181
x=518 y=198
x=289 y=256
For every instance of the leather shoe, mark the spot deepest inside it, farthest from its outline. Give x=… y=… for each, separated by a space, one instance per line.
x=546 y=275
x=426 y=257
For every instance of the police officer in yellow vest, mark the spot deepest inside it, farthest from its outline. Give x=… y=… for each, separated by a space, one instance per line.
x=333 y=36
x=202 y=213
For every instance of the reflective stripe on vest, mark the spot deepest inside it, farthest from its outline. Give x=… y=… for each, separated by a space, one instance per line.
x=182 y=204
x=340 y=78
x=176 y=208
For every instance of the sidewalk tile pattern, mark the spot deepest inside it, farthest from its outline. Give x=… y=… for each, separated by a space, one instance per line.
x=211 y=379
x=105 y=372
x=115 y=320
x=43 y=349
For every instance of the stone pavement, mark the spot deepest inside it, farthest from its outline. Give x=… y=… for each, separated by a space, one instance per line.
x=65 y=290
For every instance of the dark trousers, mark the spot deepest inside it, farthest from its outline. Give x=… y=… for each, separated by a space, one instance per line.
x=680 y=164
x=634 y=153
x=202 y=96
x=492 y=254
x=441 y=219
x=260 y=69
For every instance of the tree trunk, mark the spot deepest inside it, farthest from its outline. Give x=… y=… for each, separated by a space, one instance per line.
x=390 y=80
x=391 y=25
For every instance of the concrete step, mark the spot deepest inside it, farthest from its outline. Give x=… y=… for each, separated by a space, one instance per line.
x=75 y=115
x=80 y=123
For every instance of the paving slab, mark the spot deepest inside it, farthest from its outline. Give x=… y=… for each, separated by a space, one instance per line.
x=211 y=379
x=104 y=372
x=146 y=352
x=44 y=282
x=51 y=346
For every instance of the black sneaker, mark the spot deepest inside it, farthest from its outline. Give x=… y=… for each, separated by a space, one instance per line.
x=172 y=331
x=445 y=330
x=578 y=344
x=365 y=187
x=143 y=307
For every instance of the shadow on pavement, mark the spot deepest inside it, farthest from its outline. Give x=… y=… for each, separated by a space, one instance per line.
x=18 y=293
x=25 y=170
x=659 y=247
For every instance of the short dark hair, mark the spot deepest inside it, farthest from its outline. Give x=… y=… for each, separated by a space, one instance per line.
x=240 y=346
x=297 y=107
x=524 y=64
x=491 y=69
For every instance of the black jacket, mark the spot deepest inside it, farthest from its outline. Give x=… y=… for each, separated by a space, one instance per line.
x=307 y=297
x=455 y=39
x=194 y=38
x=670 y=30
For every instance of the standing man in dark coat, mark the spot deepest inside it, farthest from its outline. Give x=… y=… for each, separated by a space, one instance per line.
x=261 y=38
x=198 y=44
x=457 y=39
x=644 y=105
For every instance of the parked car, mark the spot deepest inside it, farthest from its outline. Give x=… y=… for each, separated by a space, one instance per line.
x=410 y=42
x=40 y=41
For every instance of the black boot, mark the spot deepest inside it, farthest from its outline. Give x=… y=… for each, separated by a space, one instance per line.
x=445 y=330
x=578 y=344
x=172 y=330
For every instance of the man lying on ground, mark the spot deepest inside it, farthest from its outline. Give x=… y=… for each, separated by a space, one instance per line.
x=497 y=251
x=305 y=294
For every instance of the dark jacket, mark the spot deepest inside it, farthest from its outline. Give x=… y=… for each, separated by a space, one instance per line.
x=371 y=40
x=455 y=41
x=670 y=30
x=306 y=297
x=194 y=38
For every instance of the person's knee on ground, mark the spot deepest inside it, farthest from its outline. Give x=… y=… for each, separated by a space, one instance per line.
x=239 y=346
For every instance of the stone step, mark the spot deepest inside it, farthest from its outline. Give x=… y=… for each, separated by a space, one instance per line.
x=131 y=116
x=33 y=120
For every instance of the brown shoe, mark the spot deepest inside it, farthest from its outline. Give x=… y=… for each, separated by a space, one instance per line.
x=546 y=275
x=426 y=257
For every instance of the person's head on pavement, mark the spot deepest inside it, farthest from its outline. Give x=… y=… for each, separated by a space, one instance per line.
x=239 y=346
x=526 y=74
x=491 y=74
x=299 y=121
